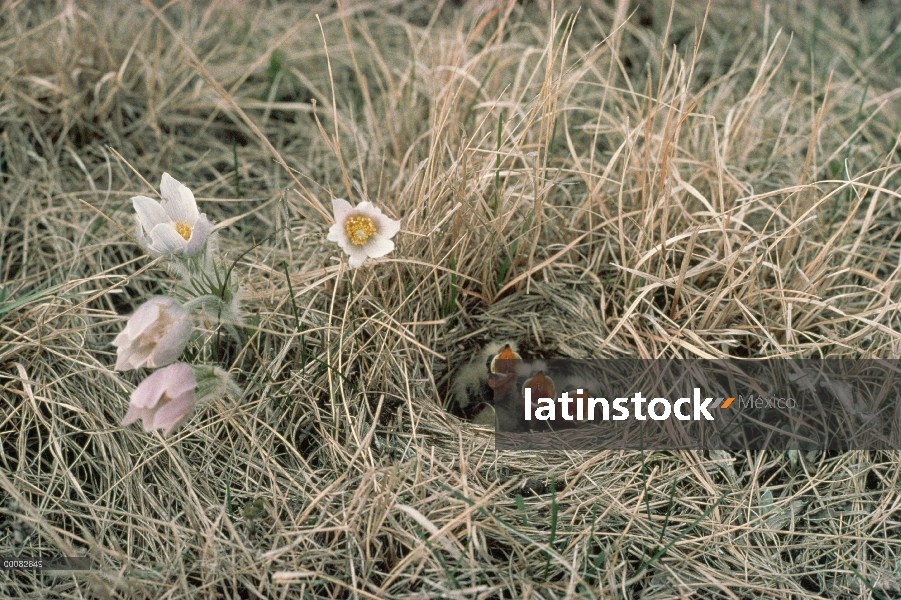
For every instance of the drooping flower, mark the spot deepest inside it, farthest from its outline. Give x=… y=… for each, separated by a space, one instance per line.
x=362 y=231
x=155 y=336
x=164 y=400
x=173 y=226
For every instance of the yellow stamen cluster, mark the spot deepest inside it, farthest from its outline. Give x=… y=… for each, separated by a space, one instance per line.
x=183 y=229
x=359 y=229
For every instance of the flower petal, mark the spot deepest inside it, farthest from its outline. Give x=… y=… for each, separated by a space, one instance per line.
x=343 y=240
x=368 y=209
x=166 y=240
x=178 y=200
x=171 y=345
x=356 y=257
x=199 y=234
x=181 y=379
x=378 y=245
x=123 y=339
x=174 y=413
x=123 y=359
x=132 y=358
x=134 y=413
x=142 y=238
x=337 y=233
x=146 y=315
x=149 y=391
x=150 y=213
x=342 y=209
x=386 y=226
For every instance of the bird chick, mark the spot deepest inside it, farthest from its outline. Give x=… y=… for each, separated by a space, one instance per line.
x=472 y=382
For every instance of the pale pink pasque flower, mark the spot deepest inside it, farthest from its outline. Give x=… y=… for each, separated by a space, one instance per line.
x=362 y=231
x=174 y=226
x=155 y=336
x=164 y=400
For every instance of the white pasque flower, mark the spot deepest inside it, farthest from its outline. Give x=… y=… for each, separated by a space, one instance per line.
x=164 y=400
x=173 y=227
x=362 y=232
x=154 y=336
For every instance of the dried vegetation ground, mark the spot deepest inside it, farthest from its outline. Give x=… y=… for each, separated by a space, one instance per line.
x=603 y=180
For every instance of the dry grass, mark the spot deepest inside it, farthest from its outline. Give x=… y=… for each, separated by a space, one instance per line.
x=597 y=186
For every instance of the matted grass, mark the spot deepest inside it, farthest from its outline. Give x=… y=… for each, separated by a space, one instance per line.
x=603 y=181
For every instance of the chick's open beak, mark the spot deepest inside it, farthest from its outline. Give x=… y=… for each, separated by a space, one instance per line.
x=505 y=361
